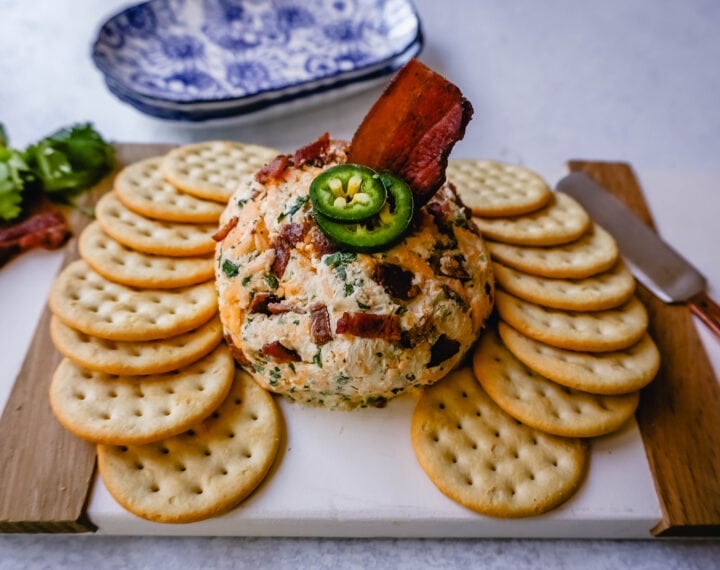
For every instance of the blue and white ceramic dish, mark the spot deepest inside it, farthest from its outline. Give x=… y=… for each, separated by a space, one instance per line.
x=185 y=59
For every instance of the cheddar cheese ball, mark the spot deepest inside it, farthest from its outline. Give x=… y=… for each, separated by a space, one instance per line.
x=330 y=327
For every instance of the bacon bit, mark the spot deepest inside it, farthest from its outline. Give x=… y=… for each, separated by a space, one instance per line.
x=395 y=280
x=450 y=266
x=422 y=330
x=320 y=319
x=321 y=243
x=290 y=235
x=280 y=353
x=444 y=348
x=236 y=352
x=412 y=128
x=281 y=308
x=261 y=301
x=273 y=171
x=222 y=233
x=46 y=229
x=314 y=152
x=369 y=325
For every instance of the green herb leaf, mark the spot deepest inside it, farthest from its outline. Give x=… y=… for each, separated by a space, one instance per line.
x=363 y=306
x=246 y=280
x=230 y=269
x=340 y=258
x=272 y=281
x=299 y=203
x=317 y=358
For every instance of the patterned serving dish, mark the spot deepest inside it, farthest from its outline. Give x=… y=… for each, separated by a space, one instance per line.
x=227 y=57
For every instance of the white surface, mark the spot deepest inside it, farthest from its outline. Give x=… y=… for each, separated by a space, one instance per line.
x=635 y=81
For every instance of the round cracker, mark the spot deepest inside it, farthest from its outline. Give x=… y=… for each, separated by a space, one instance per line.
x=142 y=187
x=603 y=291
x=618 y=372
x=121 y=410
x=88 y=302
x=214 y=169
x=597 y=331
x=492 y=189
x=135 y=358
x=541 y=403
x=119 y=263
x=152 y=236
x=595 y=252
x=203 y=472
x=482 y=458
x=561 y=220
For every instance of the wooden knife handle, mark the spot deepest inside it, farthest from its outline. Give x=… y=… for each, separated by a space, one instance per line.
x=706 y=310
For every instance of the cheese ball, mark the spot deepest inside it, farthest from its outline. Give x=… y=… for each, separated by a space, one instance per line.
x=326 y=326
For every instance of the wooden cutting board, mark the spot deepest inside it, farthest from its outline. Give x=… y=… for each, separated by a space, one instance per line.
x=46 y=474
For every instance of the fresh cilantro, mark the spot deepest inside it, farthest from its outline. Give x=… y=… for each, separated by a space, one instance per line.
x=340 y=258
x=246 y=280
x=230 y=269
x=242 y=201
x=401 y=310
x=317 y=358
x=274 y=376
x=299 y=203
x=363 y=306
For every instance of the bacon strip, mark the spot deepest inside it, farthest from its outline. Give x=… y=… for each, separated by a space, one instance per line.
x=281 y=308
x=444 y=348
x=312 y=152
x=395 y=280
x=274 y=170
x=236 y=352
x=412 y=128
x=290 y=235
x=261 y=301
x=320 y=319
x=369 y=325
x=280 y=353
x=222 y=232
x=320 y=242
x=46 y=229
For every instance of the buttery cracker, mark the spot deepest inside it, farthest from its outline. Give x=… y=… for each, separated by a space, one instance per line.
x=213 y=170
x=491 y=188
x=122 y=410
x=153 y=236
x=203 y=472
x=119 y=263
x=561 y=220
x=139 y=357
x=86 y=301
x=618 y=372
x=484 y=459
x=597 y=331
x=142 y=188
x=541 y=403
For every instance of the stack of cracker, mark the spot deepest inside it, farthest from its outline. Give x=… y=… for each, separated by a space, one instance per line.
x=182 y=435
x=566 y=362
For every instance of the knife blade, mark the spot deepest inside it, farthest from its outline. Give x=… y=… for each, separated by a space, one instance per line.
x=665 y=272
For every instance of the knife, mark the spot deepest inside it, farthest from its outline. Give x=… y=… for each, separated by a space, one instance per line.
x=655 y=264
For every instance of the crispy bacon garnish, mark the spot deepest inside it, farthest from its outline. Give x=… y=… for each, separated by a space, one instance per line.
x=236 y=352
x=280 y=353
x=321 y=243
x=320 y=319
x=282 y=308
x=274 y=170
x=444 y=348
x=290 y=235
x=261 y=301
x=412 y=128
x=315 y=152
x=395 y=280
x=222 y=233
x=369 y=325
x=46 y=229
x=450 y=266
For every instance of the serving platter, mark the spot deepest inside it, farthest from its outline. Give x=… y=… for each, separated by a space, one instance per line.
x=354 y=473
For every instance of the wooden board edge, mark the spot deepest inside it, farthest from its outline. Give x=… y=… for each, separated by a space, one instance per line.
x=677 y=416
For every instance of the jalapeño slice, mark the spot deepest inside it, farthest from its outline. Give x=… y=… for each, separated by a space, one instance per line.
x=348 y=192
x=381 y=230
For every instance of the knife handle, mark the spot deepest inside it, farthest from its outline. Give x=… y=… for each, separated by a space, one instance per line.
x=706 y=310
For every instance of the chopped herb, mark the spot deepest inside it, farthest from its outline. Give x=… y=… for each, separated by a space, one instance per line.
x=340 y=258
x=296 y=322
x=242 y=201
x=401 y=310
x=363 y=306
x=272 y=281
x=292 y=367
x=246 y=280
x=317 y=359
x=299 y=203
x=230 y=269
x=274 y=376
x=258 y=367
x=342 y=379
x=348 y=289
